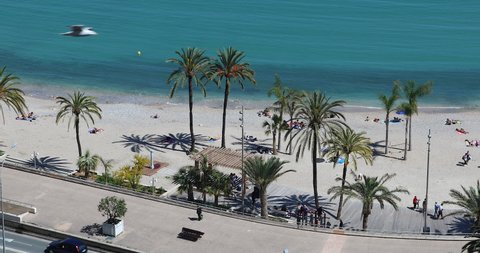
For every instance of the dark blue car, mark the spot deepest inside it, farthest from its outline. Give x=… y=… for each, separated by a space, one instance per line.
x=69 y=245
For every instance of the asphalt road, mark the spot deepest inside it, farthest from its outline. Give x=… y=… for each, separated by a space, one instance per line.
x=21 y=243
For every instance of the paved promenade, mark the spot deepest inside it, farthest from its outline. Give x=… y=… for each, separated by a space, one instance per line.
x=153 y=227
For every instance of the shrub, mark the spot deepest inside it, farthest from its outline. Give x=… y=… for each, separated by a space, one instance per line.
x=113 y=208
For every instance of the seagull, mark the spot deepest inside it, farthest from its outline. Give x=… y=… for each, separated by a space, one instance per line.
x=80 y=30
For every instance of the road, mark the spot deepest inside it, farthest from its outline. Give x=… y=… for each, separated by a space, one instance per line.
x=21 y=243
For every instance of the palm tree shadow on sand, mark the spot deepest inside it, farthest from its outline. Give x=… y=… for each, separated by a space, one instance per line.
x=152 y=142
x=292 y=201
x=179 y=141
x=50 y=164
x=137 y=143
x=254 y=147
x=461 y=225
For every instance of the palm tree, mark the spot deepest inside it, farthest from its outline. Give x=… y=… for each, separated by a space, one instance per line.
x=469 y=201
x=272 y=127
x=389 y=105
x=185 y=178
x=280 y=92
x=262 y=173
x=408 y=111
x=220 y=184
x=472 y=246
x=107 y=165
x=369 y=190
x=412 y=92
x=76 y=107
x=230 y=66
x=203 y=178
x=320 y=116
x=345 y=142
x=88 y=163
x=293 y=96
x=10 y=95
x=192 y=68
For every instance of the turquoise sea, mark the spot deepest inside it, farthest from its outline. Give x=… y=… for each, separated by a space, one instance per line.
x=350 y=49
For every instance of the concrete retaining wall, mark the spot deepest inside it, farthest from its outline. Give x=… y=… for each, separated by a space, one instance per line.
x=29 y=228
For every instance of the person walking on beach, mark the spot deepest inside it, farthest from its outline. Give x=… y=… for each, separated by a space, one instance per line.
x=415 y=202
x=466 y=158
x=440 y=211
x=199 y=213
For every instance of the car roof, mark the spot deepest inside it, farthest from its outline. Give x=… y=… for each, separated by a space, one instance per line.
x=73 y=241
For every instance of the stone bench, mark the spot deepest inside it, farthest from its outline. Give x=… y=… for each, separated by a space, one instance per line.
x=190 y=234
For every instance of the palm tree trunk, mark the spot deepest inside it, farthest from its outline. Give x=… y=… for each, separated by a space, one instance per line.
x=204 y=195
x=291 y=137
x=263 y=202
x=280 y=130
x=190 y=193
x=225 y=101
x=190 y=107
x=406 y=132
x=410 y=133
x=314 y=163
x=215 y=200
x=387 y=123
x=274 y=148
x=77 y=133
x=340 y=202
x=365 y=221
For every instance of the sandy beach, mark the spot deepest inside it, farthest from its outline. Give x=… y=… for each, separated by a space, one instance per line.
x=126 y=124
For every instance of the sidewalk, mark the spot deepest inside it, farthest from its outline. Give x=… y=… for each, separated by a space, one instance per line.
x=153 y=226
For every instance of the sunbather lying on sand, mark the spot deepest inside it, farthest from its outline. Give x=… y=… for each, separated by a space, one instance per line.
x=461 y=131
x=452 y=121
x=95 y=130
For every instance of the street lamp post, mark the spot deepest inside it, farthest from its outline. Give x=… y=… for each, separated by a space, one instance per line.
x=2 y=158
x=425 y=228
x=154 y=180
x=151 y=159
x=243 y=169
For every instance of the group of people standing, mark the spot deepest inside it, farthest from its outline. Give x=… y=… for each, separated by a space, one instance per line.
x=306 y=216
x=438 y=208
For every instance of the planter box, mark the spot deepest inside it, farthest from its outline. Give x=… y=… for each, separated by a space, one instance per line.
x=112 y=229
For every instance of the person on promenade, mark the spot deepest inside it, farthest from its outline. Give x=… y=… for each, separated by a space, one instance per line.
x=415 y=202
x=440 y=211
x=424 y=205
x=320 y=214
x=305 y=214
x=298 y=213
x=436 y=207
x=199 y=213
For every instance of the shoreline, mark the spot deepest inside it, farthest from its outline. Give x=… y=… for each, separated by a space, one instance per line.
x=47 y=92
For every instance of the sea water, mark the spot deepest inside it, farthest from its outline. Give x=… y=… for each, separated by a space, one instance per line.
x=350 y=49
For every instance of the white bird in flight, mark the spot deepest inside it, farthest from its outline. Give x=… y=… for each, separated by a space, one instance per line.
x=80 y=30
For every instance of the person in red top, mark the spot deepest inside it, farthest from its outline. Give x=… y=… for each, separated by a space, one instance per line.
x=415 y=202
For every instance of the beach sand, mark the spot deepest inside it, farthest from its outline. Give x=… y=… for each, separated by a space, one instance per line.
x=127 y=125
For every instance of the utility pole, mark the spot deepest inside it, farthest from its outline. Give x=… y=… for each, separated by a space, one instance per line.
x=3 y=158
x=243 y=163
x=426 y=230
